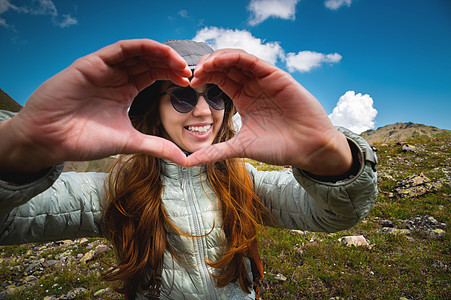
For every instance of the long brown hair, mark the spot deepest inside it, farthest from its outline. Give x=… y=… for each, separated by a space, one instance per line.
x=135 y=209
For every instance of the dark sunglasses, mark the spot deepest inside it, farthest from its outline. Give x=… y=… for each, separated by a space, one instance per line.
x=184 y=99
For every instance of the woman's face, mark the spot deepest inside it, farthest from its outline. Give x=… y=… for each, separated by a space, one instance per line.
x=191 y=131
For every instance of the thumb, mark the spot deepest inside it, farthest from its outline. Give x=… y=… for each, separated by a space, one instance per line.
x=157 y=146
x=210 y=154
x=235 y=147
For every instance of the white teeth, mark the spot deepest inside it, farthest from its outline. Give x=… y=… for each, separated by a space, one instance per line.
x=199 y=129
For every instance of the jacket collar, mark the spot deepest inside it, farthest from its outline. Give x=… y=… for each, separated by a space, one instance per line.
x=172 y=170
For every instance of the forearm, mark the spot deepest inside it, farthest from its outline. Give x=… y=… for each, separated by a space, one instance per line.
x=344 y=200
x=322 y=203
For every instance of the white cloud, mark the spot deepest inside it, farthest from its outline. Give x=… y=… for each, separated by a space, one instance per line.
x=336 y=4
x=305 y=61
x=272 y=52
x=5 y=5
x=3 y=23
x=219 y=38
x=66 y=21
x=355 y=112
x=42 y=7
x=39 y=8
x=183 y=13
x=264 y=9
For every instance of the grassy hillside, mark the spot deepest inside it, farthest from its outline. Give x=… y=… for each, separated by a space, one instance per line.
x=8 y=103
x=408 y=256
x=401 y=132
x=100 y=165
x=403 y=261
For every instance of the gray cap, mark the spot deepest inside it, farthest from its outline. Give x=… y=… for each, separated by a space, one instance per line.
x=191 y=52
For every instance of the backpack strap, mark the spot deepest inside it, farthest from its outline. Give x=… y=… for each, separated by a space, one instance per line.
x=152 y=290
x=252 y=248
x=257 y=267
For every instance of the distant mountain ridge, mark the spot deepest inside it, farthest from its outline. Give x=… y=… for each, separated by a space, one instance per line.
x=8 y=103
x=400 y=132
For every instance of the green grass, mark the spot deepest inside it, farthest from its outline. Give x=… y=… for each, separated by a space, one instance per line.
x=396 y=265
x=58 y=279
x=316 y=265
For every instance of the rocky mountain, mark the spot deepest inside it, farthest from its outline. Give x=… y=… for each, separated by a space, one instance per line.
x=8 y=103
x=400 y=132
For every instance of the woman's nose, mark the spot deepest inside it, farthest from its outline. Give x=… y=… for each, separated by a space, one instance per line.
x=202 y=108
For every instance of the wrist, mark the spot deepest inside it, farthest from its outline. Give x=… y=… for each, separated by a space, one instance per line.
x=357 y=162
x=16 y=154
x=332 y=157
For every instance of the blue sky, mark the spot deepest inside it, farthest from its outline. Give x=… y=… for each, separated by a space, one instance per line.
x=370 y=63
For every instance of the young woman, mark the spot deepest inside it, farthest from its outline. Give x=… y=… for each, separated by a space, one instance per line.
x=180 y=207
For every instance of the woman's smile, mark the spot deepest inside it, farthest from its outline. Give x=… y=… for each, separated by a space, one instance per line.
x=199 y=130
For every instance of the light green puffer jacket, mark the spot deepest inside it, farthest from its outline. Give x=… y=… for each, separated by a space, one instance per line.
x=68 y=205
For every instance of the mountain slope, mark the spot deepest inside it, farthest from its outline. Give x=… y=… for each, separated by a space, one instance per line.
x=8 y=103
x=399 y=132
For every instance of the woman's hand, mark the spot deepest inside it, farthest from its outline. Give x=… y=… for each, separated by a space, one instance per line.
x=81 y=113
x=282 y=123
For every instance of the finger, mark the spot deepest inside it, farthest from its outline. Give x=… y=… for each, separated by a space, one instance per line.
x=138 y=56
x=238 y=75
x=228 y=85
x=156 y=146
x=141 y=49
x=167 y=74
x=202 y=59
x=234 y=58
x=137 y=65
x=97 y=71
x=145 y=79
x=257 y=78
x=235 y=147
x=235 y=74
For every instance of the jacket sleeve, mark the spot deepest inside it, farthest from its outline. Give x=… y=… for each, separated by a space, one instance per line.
x=302 y=201
x=70 y=208
x=50 y=206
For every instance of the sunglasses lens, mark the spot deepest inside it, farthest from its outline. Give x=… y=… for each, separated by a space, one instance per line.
x=183 y=99
x=215 y=97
